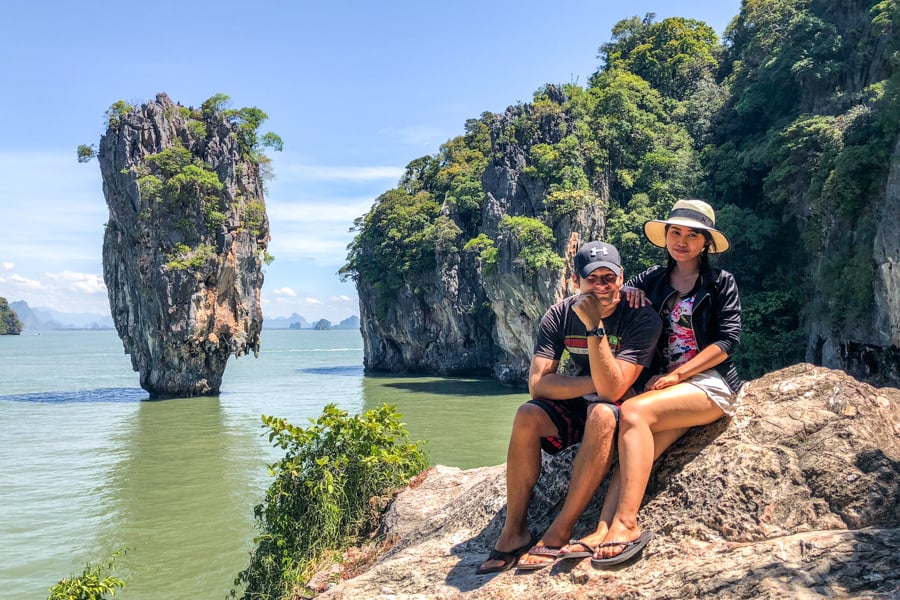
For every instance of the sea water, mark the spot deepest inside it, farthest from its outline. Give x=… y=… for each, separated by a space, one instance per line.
x=90 y=466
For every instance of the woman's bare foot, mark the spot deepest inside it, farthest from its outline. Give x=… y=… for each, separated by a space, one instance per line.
x=618 y=532
x=591 y=540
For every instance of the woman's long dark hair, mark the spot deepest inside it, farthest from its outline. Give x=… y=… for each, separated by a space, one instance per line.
x=704 y=256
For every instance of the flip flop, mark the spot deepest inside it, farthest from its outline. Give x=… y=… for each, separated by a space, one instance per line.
x=629 y=550
x=587 y=552
x=551 y=551
x=509 y=559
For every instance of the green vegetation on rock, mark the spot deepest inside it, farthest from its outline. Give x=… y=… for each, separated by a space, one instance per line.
x=9 y=320
x=787 y=127
x=94 y=583
x=321 y=499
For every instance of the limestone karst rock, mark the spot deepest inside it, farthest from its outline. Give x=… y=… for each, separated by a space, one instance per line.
x=797 y=496
x=463 y=318
x=182 y=248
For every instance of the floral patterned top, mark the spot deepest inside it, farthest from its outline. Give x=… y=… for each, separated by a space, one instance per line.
x=681 y=343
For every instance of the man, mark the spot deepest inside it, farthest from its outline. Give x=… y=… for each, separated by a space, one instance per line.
x=610 y=343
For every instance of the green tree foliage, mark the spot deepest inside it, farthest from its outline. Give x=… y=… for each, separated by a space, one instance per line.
x=392 y=241
x=9 y=320
x=672 y=56
x=248 y=121
x=787 y=128
x=115 y=113
x=535 y=241
x=94 y=583
x=321 y=499
x=85 y=153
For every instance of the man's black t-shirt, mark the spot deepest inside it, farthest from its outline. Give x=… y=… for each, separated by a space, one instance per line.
x=632 y=334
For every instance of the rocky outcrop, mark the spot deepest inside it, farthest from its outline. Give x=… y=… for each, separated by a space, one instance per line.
x=797 y=496
x=182 y=248
x=464 y=318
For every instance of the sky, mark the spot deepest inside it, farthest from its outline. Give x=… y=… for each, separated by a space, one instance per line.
x=356 y=89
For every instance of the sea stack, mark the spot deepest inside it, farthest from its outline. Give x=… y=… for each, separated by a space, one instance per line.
x=186 y=238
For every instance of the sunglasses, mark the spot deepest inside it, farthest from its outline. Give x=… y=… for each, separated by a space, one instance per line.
x=608 y=279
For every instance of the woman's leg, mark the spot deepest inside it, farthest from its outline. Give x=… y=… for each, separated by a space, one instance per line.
x=661 y=441
x=675 y=408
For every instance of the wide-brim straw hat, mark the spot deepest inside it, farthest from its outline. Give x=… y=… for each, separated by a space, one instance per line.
x=695 y=214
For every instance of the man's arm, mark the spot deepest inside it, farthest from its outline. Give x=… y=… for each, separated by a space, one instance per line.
x=611 y=377
x=545 y=382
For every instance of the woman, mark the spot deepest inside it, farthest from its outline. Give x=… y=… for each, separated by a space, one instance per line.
x=701 y=313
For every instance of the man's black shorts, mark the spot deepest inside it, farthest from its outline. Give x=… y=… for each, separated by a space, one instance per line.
x=569 y=416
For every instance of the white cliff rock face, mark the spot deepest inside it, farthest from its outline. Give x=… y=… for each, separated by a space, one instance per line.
x=797 y=496
x=181 y=322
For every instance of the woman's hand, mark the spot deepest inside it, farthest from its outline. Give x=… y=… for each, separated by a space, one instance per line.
x=636 y=297
x=660 y=382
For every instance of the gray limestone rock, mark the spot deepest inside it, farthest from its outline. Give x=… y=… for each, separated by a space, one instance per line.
x=183 y=244
x=797 y=496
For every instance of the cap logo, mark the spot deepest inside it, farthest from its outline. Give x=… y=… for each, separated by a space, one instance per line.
x=596 y=251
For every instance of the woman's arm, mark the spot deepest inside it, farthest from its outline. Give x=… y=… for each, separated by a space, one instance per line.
x=706 y=359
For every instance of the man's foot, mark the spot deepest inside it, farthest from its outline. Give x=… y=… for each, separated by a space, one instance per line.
x=547 y=550
x=502 y=560
x=540 y=556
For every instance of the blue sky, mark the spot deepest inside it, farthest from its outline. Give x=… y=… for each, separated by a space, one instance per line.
x=355 y=89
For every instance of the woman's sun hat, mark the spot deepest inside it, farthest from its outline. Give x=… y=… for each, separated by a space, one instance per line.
x=695 y=214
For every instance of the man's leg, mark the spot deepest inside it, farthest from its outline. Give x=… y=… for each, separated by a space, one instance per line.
x=591 y=465
x=523 y=467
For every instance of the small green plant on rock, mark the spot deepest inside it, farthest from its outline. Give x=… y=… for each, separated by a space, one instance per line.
x=321 y=500
x=93 y=584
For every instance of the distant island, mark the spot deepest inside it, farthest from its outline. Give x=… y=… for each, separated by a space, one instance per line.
x=296 y=321
x=45 y=319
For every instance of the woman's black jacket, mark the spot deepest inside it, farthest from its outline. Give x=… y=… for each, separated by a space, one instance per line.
x=716 y=316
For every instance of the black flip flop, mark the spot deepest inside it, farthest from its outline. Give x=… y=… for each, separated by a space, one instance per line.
x=587 y=552
x=509 y=559
x=629 y=550
x=551 y=551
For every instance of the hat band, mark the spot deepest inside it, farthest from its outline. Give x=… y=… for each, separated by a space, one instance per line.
x=696 y=215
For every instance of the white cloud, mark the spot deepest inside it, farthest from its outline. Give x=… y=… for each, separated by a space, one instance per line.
x=285 y=291
x=86 y=283
x=313 y=301
x=29 y=284
x=7 y=266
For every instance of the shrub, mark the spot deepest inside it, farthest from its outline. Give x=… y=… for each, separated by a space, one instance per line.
x=320 y=499
x=92 y=584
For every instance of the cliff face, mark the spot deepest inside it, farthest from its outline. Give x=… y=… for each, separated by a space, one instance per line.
x=181 y=251
x=797 y=496
x=468 y=319
x=868 y=348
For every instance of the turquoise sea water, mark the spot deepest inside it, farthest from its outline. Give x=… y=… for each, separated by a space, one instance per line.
x=89 y=465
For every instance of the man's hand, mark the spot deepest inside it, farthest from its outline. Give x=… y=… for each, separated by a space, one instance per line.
x=593 y=308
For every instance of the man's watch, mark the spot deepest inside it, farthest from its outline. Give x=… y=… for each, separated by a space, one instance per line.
x=598 y=332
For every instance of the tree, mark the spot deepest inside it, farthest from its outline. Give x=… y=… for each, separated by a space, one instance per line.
x=9 y=320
